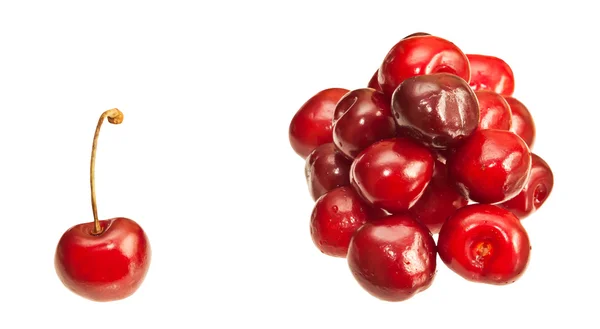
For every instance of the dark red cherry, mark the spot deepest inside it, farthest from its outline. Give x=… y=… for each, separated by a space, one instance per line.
x=491 y=73
x=365 y=119
x=373 y=84
x=484 y=243
x=326 y=168
x=392 y=174
x=421 y=55
x=335 y=217
x=311 y=126
x=440 y=200
x=393 y=258
x=522 y=121
x=491 y=166
x=536 y=191
x=494 y=111
x=439 y=110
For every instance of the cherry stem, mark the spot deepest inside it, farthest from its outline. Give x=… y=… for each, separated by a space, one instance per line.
x=115 y=117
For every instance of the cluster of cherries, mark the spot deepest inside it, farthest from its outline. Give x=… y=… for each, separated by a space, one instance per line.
x=435 y=144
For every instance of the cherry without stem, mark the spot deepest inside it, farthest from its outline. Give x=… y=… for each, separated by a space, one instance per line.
x=491 y=73
x=522 y=121
x=326 y=168
x=494 y=111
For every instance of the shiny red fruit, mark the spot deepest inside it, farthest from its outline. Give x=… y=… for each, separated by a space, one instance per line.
x=393 y=258
x=491 y=73
x=522 y=121
x=491 y=166
x=485 y=243
x=363 y=117
x=536 y=191
x=392 y=174
x=335 y=218
x=440 y=200
x=439 y=110
x=312 y=124
x=494 y=111
x=373 y=83
x=104 y=267
x=421 y=55
x=326 y=168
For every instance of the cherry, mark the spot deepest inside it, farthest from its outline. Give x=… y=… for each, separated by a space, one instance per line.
x=536 y=191
x=522 y=121
x=363 y=118
x=104 y=260
x=373 y=83
x=494 y=111
x=336 y=216
x=311 y=125
x=491 y=166
x=440 y=200
x=491 y=73
x=393 y=258
x=484 y=243
x=439 y=110
x=420 y=55
x=326 y=168
x=392 y=174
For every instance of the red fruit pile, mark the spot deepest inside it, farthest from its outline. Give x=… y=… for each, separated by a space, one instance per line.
x=436 y=144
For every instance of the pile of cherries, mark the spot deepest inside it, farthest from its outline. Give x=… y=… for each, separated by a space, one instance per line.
x=435 y=144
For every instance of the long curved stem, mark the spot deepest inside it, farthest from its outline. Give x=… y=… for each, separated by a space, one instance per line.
x=115 y=117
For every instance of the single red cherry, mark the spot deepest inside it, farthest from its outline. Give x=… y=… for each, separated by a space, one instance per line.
x=439 y=110
x=326 y=168
x=484 y=243
x=536 y=191
x=491 y=166
x=491 y=73
x=392 y=174
x=393 y=258
x=336 y=216
x=522 y=121
x=420 y=55
x=365 y=119
x=373 y=83
x=311 y=125
x=104 y=260
x=494 y=111
x=440 y=200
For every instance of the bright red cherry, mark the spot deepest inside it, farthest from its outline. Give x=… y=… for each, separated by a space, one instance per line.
x=365 y=119
x=522 y=121
x=393 y=258
x=536 y=191
x=491 y=73
x=419 y=55
x=440 y=200
x=491 y=166
x=335 y=218
x=326 y=168
x=392 y=174
x=484 y=243
x=311 y=125
x=494 y=111
x=439 y=110
x=104 y=260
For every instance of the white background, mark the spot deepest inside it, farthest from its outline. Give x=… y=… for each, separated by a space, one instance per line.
x=203 y=162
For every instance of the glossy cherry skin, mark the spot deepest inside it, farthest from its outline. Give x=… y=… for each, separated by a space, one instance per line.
x=392 y=174
x=484 y=243
x=439 y=110
x=326 y=168
x=440 y=200
x=365 y=119
x=491 y=166
x=393 y=258
x=312 y=124
x=105 y=267
x=522 y=121
x=491 y=73
x=494 y=111
x=536 y=191
x=419 y=55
